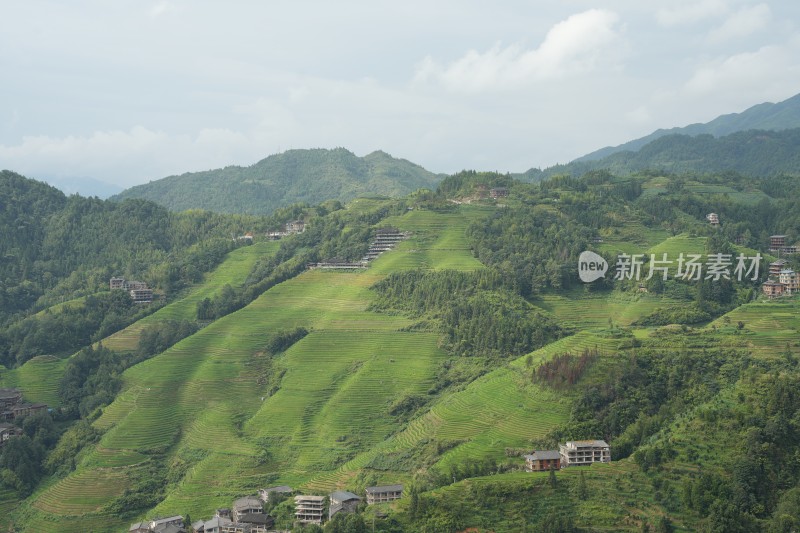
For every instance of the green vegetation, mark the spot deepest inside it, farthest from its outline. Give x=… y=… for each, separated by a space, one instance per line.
x=753 y=152
x=296 y=176
x=471 y=343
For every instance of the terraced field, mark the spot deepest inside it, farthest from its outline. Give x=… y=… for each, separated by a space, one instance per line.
x=769 y=327
x=501 y=409
x=38 y=378
x=205 y=397
x=578 y=309
x=233 y=271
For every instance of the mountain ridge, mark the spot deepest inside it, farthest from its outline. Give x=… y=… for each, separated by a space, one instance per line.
x=764 y=116
x=296 y=176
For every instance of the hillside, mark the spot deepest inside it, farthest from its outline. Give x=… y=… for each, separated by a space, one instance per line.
x=750 y=153
x=766 y=116
x=437 y=366
x=295 y=176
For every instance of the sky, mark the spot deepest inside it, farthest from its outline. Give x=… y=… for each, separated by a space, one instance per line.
x=128 y=92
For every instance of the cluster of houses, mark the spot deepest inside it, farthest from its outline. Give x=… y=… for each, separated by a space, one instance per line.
x=571 y=453
x=246 y=515
x=11 y=408
x=385 y=239
x=777 y=244
x=782 y=281
x=290 y=228
x=139 y=291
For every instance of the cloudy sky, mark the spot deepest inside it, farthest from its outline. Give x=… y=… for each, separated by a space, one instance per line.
x=131 y=91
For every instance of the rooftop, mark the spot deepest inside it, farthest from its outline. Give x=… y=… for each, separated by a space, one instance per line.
x=343 y=496
x=384 y=488
x=311 y=498
x=279 y=488
x=576 y=443
x=247 y=502
x=540 y=455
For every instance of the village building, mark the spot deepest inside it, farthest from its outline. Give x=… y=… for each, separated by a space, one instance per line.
x=713 y=219
x=584 y=452
x=172 y=524
x=141 y=296
x=215 y=525
x=385 y=239
x=9 y=397
x=772 y=289
x=245 y=506
x=22 y=409
x=776 y=242
x=8 y=431
x=790 y=279
x=295 y=226
x=498 y=192
x=265 y=494
x=248 y=237
x=776 y=267
x=342 y=501
x=309 y=509
x=542 y=461
x=384 y=493
x=168 y=528
x=338 y=264
x=140 y=527
x=252 y=523
x=172 y=520
x=139 y=292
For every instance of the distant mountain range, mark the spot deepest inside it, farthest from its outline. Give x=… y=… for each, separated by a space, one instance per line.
x=757 y=153
x=767 y=116
x=310 y=176
x=761 y=141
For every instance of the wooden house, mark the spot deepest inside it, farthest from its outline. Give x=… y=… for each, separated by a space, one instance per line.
x=384 y=493
x=542 y=461
x=342 y=501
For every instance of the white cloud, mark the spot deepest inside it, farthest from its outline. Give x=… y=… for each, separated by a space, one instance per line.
x=691 y=12
x=161 y=8
x=770 y=68
x=582 y=43
x=124 y=157
x=742 y=23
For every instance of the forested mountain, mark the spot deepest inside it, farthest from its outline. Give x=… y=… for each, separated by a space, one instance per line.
x=751 y=152
x=307 y=176
x=766 y=116
x=55 y=248
x=437 y=365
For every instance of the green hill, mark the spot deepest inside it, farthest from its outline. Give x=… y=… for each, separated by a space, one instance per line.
x=295 y=176
x=437 y=366
x=767 y=116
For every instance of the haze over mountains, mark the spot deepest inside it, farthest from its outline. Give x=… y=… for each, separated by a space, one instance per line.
x=760 y=141
x=766 y=116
